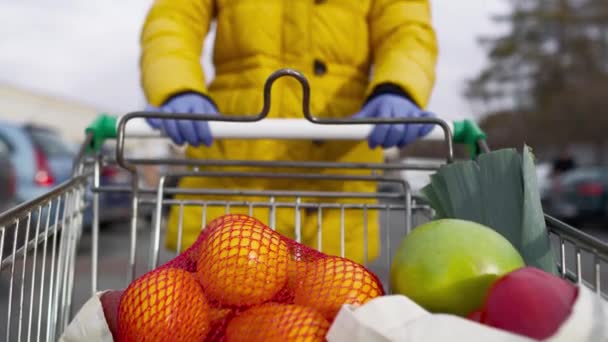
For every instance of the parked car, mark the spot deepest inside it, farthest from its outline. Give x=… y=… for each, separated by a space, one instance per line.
x=8 y=192
x=543 y=179
x=579 y=195
x=8 y=178
x=42 y=158
x=113 y=206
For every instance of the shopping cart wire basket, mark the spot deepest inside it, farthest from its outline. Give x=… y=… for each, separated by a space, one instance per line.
x=50 y=264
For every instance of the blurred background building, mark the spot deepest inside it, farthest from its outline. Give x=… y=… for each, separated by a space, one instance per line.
x=68 y=117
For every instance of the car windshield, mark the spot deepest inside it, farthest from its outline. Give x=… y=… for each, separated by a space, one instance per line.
x=50 y=143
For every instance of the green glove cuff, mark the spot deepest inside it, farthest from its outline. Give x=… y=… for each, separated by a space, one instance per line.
x=104 y=127
x=467 y=132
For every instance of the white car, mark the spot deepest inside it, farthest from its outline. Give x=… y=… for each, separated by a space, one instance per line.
x=543 y=178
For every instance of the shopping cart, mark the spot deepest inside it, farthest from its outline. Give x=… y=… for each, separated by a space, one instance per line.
x=50 y=264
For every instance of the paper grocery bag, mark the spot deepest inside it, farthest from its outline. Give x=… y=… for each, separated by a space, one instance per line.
x=588 y=321
x=89 y=324
x=398 y=319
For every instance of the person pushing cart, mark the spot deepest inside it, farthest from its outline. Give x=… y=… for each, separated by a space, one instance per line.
x=365 y=59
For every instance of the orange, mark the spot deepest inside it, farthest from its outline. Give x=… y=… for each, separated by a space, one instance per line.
x=331 y=282
x=296 y=269
x=225 y=219
x=191 y=255
x=273 y=322
x=242 y=262
x=164 y=305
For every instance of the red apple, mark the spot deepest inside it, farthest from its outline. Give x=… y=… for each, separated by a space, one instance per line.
x=110 y=301
x=529 y=302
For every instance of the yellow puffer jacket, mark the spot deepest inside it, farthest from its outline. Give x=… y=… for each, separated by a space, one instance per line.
x=335 y=44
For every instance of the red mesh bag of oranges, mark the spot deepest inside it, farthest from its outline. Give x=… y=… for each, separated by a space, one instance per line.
x=242 y=281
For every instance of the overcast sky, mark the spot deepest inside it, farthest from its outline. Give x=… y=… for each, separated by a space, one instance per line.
x=88 y=50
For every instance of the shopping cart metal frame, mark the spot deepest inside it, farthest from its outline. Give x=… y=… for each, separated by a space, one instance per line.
x=39 y=294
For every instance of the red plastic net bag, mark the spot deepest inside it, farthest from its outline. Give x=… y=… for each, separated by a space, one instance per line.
x=242 y=281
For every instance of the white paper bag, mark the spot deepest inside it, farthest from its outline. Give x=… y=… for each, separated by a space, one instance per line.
x=89 y=324
x=588 y=321
x=398 y=319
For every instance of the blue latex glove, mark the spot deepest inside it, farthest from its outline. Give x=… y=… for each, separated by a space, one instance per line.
x=394 y=106
x=190 y=131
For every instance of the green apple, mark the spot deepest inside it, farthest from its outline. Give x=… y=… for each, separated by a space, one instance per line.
x=448 y=265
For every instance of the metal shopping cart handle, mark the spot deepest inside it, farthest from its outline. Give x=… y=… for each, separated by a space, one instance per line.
x=260 y=127
x=106 y=126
